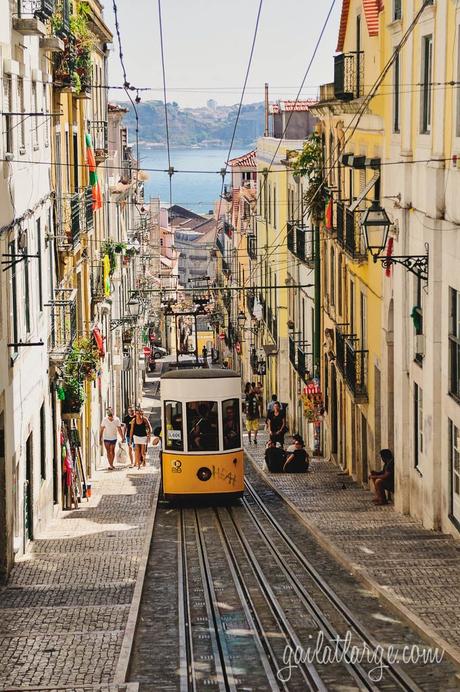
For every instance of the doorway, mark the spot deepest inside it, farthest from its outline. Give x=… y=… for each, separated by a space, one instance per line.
x=28 y=493
x=390 y=380
x=334 y=422
x=364 y=456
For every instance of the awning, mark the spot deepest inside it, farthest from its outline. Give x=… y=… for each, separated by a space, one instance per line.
x=365 y=191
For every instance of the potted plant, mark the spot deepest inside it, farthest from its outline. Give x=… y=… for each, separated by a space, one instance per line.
x=74 y=396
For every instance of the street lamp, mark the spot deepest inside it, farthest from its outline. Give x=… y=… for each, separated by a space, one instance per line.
x=134 y=306
x=376 y=225
x=241 y=319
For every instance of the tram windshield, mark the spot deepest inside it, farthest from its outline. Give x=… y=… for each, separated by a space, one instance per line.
x=202 y=426
x=231 y=423
x=174 y=436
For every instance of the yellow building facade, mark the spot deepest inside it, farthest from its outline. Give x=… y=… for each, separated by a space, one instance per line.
x=351 y=284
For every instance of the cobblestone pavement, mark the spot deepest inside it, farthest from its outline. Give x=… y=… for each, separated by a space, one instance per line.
x=64 y=610
x=418 y=569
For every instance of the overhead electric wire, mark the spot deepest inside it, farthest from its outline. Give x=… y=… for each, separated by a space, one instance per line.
x=170 y=170
x=354 y=125
x=248 y=68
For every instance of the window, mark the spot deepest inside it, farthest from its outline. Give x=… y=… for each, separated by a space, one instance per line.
x=339 y=284
x=174 y=439
x=396 y=92
x=397 y=10
x=14 y=299
x=202 y=427
x=7 y=117
x=352 y=308
x=40 y=272
x=457 y=126
x=231 y=423
x=417 y=317
x=269 y=204
x=27 y=294
x=418 y=424
x=45 y=109
x=363 y=334
x=454 y=465
x=42 y=443
x=274 y=207
x=22 y=118
x=454 y=343
x=332 y=277
x=34 y=117
x=426 y=86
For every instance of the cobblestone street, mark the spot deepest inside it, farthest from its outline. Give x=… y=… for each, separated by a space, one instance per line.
x=417 y=570
x=65 y=608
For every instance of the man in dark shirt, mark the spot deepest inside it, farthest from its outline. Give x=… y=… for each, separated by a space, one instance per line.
x=274 y=457
x=252 y=414
x=127 y=420
x=297 y=461
x=385 y=479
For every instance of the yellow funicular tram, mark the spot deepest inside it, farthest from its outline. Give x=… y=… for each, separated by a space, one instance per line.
x=201 y=423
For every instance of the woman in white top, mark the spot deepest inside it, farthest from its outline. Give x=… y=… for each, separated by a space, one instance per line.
x=110 y=426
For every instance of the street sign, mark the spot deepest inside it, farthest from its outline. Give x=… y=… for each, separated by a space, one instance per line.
x=222 y=336
x=238 y=347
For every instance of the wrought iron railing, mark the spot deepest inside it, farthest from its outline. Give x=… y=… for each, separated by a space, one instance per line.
x=97 y=282
x=349 y=75
x=42 y=9
x=99 y=137
x=292 y=352
x=340 y=206
x=252 y=246
x=356 y=369
x=300 y=241
x=291 y=236
x=88 y=202
x=75 y=217
x=304 y=364
x=63 y=320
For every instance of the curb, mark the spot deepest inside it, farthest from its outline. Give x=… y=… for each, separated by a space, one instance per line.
x=424 y=630
x=121 y=670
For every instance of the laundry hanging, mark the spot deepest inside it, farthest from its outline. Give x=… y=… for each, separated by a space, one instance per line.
x=93 y=177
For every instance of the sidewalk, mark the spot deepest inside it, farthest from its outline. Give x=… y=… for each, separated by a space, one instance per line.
x=64 y=611
x=417 y=572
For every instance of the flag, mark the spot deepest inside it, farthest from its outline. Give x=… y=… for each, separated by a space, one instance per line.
x=106 y=267
x=93 y=177
x=329 y=215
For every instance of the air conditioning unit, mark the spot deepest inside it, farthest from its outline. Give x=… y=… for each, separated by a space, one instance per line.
x=420 y=344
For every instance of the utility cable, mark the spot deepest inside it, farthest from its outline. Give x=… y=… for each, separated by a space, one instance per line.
x=170 y=169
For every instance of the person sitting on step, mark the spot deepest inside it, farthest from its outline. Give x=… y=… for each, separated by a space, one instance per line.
x=383 y=480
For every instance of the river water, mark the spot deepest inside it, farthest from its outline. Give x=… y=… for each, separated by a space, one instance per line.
x=195 y=191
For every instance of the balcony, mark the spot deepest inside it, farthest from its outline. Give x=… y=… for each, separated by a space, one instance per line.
x=63 y=323
x=304 y=364
x=349 y=233
x=292 y=352
x=97 y=283
x=352 y=363
x=356 y=370
x=99 y=135
x=348 y=76
x=252 y=246
x=300 y=241
x=31 y=16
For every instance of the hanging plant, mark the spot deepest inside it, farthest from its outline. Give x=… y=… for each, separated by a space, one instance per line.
x=119 y=247
x=309 y=163
x=73 y=395
x=82 y=363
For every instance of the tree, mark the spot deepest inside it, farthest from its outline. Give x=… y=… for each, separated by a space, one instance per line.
x=309 y=164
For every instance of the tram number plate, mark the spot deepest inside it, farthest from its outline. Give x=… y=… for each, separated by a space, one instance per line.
x=176 y=466
x=175 y=435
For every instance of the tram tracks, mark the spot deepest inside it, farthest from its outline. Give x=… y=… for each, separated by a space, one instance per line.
x=248 y=595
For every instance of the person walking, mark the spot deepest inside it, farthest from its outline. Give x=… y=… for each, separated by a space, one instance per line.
x=270 y=407
x=204 y=355
x=140 y=434
x=277 y=424
x=127 y=420
x=110 y=428
x=252 y=414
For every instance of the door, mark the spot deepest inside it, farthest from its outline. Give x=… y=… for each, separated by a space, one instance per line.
x=364 y=457
x=333 y=409
x=28 y=493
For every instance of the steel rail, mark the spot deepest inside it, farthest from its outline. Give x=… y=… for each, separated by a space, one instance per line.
x=224 y=670
x=403 y=680
x=308 y=671
x=187 y=666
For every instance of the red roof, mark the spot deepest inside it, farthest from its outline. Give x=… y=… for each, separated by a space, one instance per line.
x=244 y=160
x=372 y=9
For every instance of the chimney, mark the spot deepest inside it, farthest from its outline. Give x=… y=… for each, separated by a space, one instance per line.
x=266 y=133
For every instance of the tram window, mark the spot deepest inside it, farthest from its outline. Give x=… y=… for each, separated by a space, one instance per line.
x=202 y=426
x=231 y=423
x=174 y=426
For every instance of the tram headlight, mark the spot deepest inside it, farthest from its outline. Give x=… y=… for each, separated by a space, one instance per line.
x=204 y=474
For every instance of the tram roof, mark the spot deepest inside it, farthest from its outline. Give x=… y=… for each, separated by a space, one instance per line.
x=200 y=374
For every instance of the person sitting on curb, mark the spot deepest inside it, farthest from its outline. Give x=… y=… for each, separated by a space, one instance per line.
x=297 y=461
x=274 y=457
x=296 y=437
x=385 y=479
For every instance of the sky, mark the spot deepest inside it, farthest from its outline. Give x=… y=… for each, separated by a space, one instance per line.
x=207 y=45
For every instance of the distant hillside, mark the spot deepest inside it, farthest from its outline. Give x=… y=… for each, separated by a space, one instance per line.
x=203 y=126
